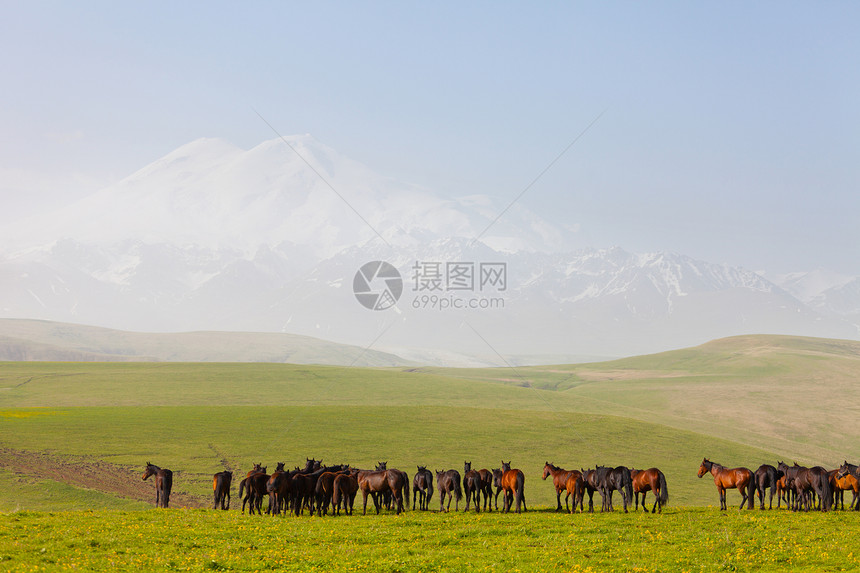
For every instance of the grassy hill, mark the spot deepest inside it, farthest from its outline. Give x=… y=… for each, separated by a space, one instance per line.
x=740 y=401
x=40 y=340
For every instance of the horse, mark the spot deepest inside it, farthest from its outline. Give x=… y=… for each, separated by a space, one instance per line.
x=257 y=488
x=612 y=479
x=589 y=478
x=486 y=488
x=280 y=490
x=221 y=489
x=472 y=486
x=767 y=476
x=849 y=474
x=325 y=490
x=839 y=485
x=559 y=481
x=380 y=481
x=163 y=483
x=343 y=492
x=422 y=488
x=725 y=478
x=806 y=482
x=651 y=479
x=513 y=484
x=575 y=487
x=497 y=483
x=448 y=483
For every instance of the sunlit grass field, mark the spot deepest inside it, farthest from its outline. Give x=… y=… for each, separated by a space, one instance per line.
x=193 y=540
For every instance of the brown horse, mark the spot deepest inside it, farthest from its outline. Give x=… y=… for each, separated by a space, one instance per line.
x=381 y=481
x=448 y=484
x=575 y=487
x=487 y=488
x=221 y=489
x=560 y=477
x=767 y=476
x=848 y=477
x=345 y=487
x=725 y=478
x=163 y=483
x=513 y=484
x=651 y=479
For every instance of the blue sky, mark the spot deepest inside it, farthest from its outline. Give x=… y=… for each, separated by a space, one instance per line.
x=730 y=131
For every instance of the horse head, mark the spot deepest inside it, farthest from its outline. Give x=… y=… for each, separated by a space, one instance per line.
x=705 y=467
x=467 y=467
x=506 y=466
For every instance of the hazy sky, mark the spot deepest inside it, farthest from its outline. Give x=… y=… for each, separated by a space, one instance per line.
x=730 y=130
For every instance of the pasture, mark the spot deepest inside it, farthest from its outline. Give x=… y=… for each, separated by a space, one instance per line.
x=74 y=438
x=678 y=540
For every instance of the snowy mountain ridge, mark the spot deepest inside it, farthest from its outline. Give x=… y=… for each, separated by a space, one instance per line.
x=213 y=237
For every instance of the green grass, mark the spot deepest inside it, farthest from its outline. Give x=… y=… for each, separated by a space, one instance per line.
x=741 y=401
x=183 y=540
x=194 y=439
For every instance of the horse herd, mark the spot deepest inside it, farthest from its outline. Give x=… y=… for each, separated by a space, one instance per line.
x=800 y=487
x=320 y=489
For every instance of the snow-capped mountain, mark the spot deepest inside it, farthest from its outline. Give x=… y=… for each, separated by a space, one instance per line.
x=213 y=237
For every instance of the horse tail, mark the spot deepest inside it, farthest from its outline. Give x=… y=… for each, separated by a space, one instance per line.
x=458 y=491
x=664 y=489
x=242 y=485
x=627 y=484
x=752 y=489
x=406 y=486
x=826 y=494
x=521 y=487
x=336 y=494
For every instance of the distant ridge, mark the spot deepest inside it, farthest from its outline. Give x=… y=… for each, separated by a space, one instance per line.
x=40 y=340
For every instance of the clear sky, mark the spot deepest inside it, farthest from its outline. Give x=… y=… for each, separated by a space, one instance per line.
x=730 y=130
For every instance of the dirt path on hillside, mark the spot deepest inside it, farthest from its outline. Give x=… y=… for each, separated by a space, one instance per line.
x=93 y=474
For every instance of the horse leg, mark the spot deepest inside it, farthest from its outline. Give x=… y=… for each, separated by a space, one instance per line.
x=558 y=499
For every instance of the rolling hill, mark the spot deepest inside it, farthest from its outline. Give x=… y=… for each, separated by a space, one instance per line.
x=40 y=340
x=741 y=401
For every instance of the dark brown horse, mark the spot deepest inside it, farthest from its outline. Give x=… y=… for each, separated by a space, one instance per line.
x=472 y=486
x=651 y=479
x=766 y=476
x=725 y=478
x=513 y=484
x=589 y=478
x=487 y=488
x=221 y=489
x=559 y=481
x=422 y=488
x=163 y=483
x=279 y=487
x=807 y=482
x=448 y=484
x=344 y=489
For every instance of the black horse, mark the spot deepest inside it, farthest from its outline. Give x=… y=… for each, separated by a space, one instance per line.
x=422 y=488
x=221 y=489
x=611 y=479
x=766 y=476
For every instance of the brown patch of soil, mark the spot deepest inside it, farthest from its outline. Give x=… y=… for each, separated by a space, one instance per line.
x=87 y=473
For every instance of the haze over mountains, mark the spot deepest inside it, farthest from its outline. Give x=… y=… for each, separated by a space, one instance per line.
x=213 y=237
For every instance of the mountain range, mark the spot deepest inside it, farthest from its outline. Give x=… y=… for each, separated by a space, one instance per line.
x=215 y=238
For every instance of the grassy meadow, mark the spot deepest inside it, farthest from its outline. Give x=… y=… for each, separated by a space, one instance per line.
x=74 y=438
